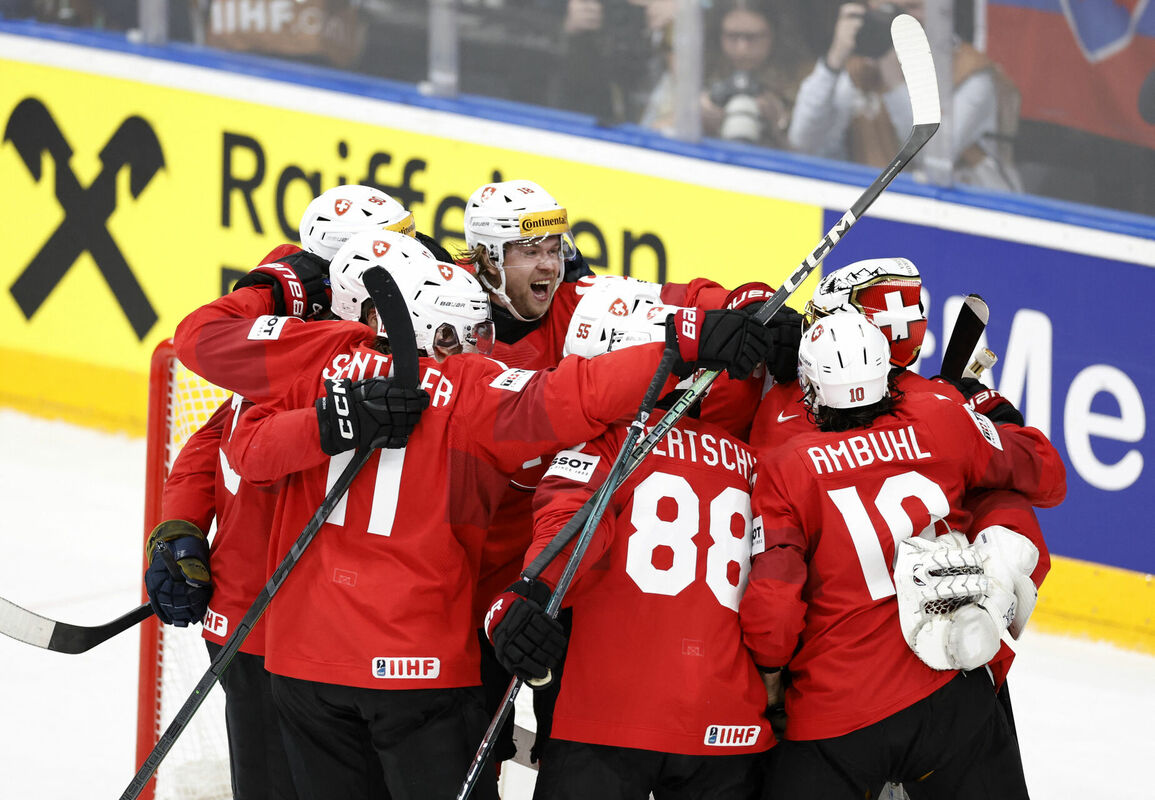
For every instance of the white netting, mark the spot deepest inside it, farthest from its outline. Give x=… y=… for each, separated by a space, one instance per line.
x=197 y=767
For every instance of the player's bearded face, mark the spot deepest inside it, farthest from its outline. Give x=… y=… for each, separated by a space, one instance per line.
x=532 y=272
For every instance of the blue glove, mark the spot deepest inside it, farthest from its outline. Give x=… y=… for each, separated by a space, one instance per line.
x=178 y=581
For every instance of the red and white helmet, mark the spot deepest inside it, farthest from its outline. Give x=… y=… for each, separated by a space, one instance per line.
x=843 y=362
x=609 y=304
x=447 y=304
x=511 y=212
x=888 y=291
x=337 y=214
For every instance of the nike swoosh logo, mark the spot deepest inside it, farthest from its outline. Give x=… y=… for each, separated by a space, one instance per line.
x=783 y=418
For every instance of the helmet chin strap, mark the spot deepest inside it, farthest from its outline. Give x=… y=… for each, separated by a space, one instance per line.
x=498 y=293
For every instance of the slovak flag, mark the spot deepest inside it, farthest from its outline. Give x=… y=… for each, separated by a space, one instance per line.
x=1079 y=63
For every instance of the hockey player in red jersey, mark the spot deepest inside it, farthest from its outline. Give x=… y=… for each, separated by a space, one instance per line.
x=202 y=485
x=517 y=237
x=873 y=667
x=372 y=637
x=888 y=292
x=659 y=586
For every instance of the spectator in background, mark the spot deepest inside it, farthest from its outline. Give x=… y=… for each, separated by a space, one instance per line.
x=753 y=68
x=853 y=105
x=611 y=56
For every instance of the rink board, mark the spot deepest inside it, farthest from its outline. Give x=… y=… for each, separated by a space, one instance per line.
x=242 y=155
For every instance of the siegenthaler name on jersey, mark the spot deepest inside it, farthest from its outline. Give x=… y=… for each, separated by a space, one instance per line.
x=414 y=667
x=731 y=735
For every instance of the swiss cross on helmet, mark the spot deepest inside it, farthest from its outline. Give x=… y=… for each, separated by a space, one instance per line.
x=607 y=304
x=337 y=214
x=449 y=307
x=888 y=291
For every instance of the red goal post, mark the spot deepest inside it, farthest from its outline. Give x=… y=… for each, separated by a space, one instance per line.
x=172 y=660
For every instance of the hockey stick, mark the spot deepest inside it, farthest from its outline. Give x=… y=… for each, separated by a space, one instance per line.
x=31 y=628
x=597 y=506
x=968 y=329
x=395 y=317
x=918 y=69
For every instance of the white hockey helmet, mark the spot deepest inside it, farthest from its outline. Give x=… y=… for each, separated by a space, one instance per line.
x=333 y=216
x=843 y=362
x=448 y=306
x=514 y=212
x=609 y=304
x=888 y=291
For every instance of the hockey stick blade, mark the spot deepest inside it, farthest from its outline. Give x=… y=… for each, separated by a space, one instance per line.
x=50 y=634
x=397 y=322
x=914 y=57
x=964 y=337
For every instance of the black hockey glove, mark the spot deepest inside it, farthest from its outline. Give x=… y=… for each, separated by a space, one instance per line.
x=717 y=339
x=785 y=329
x=300 y=284
x=527 y=641
x=177 y=580
x=987 y=402
x=377 y=412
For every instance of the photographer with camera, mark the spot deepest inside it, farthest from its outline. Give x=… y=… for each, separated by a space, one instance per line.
x=853 y=106
x=752 y=70
x=750 y=95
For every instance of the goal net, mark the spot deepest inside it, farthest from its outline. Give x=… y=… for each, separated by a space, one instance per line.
x=173 y=660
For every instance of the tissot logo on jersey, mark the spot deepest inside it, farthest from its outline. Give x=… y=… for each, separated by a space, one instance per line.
x=573 y=465
x=513 y=380
x=987 y=428
x=731 y=735
x=421 y=667
x=267 y=327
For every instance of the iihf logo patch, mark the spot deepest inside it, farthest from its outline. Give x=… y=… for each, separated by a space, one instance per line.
x=407 y=668
x=731 y=735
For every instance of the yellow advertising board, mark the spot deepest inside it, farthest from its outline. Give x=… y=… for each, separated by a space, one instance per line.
x=128 y=204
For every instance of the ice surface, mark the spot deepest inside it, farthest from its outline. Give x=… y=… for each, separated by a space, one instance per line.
x=70 y=549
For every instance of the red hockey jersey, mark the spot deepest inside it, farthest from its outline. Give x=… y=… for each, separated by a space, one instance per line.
x=656 y=659
x=383 y=598
x=781 y=416
x=828 y=509
x=203 y=485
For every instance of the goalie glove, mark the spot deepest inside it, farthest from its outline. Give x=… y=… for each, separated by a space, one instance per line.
x=376 y=412
x=1008 y=559
x=178 y=581
x=300 y=284
x=527 y=642
x=941 y=586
